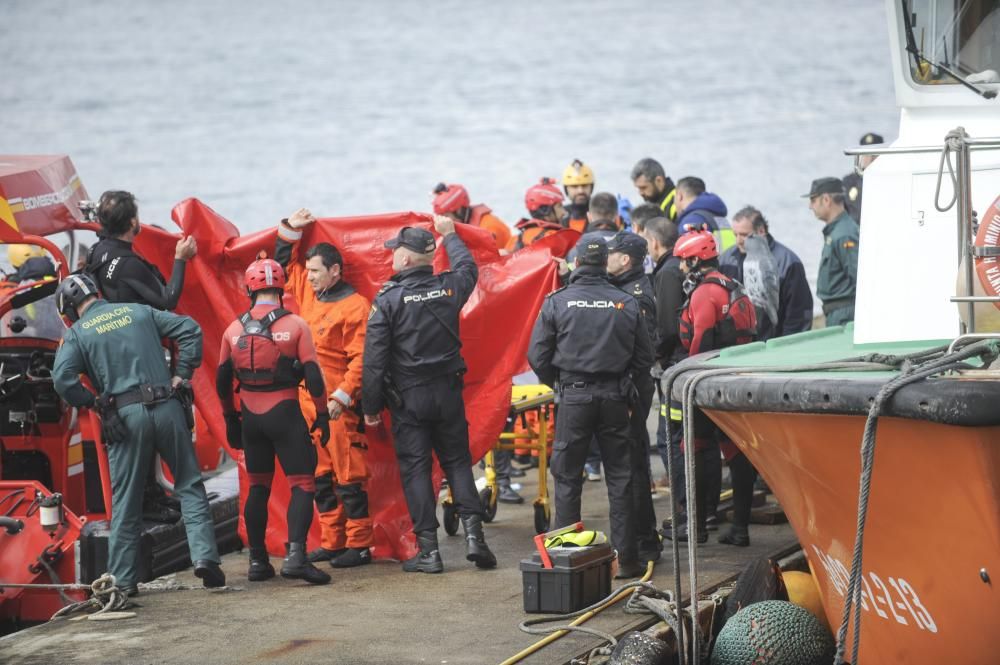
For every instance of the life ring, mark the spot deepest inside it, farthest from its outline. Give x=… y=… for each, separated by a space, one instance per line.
x=986 y=251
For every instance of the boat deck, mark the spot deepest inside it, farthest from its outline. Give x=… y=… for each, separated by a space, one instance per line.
x=373 y=614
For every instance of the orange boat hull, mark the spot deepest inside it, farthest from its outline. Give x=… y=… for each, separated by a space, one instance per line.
x=932 y=541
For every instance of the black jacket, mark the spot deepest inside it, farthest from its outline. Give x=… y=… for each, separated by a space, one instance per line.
x=636 y=283
x=668 y=287
x=124 y=276
x=413 y=326
x=589 y=329
x=795 y=301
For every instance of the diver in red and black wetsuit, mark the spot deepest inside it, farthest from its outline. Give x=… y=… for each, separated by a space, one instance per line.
x=269 y=350
x=718 y=313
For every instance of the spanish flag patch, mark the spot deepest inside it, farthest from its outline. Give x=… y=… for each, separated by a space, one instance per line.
x=848 y=244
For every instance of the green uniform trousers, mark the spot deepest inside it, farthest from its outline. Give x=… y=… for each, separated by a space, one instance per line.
x=840 y=316
x=158 y=428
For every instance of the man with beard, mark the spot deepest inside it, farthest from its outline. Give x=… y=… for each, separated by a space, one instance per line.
x=578 y=183
x=655 y=186
x=124 y=277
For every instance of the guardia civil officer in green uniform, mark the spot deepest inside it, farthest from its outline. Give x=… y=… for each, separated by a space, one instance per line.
x=117 y=345
x=837 y=282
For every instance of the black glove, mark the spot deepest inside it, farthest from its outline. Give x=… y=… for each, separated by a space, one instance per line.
x=234 y=430
x=113 y=429
x=322 y=423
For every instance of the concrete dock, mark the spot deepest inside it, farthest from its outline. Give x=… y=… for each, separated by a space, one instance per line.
x=373 y=614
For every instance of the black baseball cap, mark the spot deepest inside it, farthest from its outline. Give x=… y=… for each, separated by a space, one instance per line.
x=871 y=139
x=629 y=243
x=825 y=186
x=413 y=238
x=592 y=250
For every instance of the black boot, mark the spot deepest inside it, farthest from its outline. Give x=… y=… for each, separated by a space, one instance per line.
x=260 y=565
x=323 y=554
x=738 y=536
x=428 y=559
x=352 y=557
x=476 y=548
x=681 y=534
x=297 y=566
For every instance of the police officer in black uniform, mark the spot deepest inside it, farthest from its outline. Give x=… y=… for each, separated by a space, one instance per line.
x=124 y=276
x=588 y=343
x=413 y=364
x=626 y=255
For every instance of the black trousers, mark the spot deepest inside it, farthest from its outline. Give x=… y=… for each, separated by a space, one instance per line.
x=596 y=409
x=280 y=432
x=432 y=418
x=642 y=500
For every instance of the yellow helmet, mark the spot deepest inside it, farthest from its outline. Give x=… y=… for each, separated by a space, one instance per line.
x=577 y=173
x=18 y=254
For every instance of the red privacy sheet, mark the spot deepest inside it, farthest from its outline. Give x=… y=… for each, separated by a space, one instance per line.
x=495 y=327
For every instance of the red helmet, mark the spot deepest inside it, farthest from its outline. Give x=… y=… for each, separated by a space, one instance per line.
x=698 y=244
x=450 y=198
x=264 y=274
x=545 y=193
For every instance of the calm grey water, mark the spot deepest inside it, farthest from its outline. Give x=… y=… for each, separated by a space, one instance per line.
x=349 y=108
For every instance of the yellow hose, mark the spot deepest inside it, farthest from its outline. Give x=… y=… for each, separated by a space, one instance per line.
x=549 y=639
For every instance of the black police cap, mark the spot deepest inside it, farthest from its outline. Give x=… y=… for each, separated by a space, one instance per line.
x=629 y=243
x=825 y=186
x=592 y=251
x=413 y=238
x=871 y=139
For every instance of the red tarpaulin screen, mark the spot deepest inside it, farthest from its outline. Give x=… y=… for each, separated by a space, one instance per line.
x=495 y=328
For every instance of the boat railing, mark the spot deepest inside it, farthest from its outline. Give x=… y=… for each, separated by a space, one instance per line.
x=957 y=141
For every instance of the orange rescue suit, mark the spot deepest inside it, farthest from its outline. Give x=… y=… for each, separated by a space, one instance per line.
x=481 y=216
x=338 y=321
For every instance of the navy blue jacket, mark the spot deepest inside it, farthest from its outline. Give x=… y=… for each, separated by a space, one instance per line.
x=795 y=301
x=589 y=329
x=413 y=326
x=702 y=212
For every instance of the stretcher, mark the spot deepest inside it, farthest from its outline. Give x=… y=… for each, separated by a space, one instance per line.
x=529 y=428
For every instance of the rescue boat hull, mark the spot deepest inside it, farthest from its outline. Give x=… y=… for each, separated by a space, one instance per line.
x=932 y=540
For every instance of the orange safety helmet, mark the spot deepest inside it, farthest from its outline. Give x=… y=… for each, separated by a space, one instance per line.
x=698 y=244
x=264 y=274
x=450 y=198
x=545 y=193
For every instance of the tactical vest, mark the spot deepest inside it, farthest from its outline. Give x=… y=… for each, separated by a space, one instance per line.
x=738 y=324
x=259 y=363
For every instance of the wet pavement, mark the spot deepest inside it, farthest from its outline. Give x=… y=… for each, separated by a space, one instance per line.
x=372 y=614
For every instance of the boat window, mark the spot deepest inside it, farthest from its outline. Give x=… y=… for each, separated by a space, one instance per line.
x=38 y=320
x=962 y=35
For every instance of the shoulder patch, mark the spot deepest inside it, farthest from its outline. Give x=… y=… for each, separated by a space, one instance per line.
x=371 y=312
x=638 y=289
x=388 y=286
x=849 y=244
x=852 y=193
